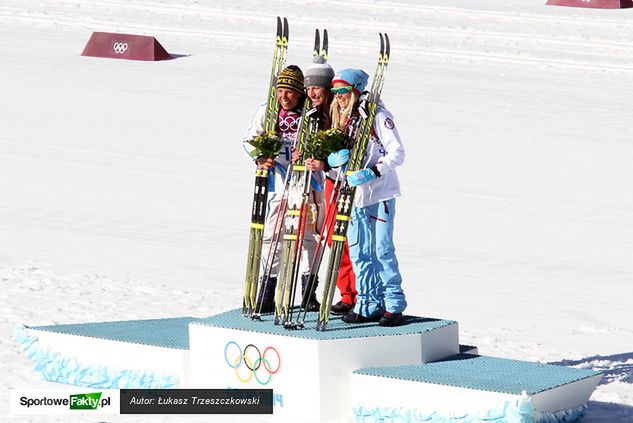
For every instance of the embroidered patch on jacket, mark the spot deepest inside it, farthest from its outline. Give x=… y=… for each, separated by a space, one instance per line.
x=389 y=123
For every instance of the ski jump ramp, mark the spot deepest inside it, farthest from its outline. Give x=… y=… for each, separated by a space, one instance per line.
x=414 y=372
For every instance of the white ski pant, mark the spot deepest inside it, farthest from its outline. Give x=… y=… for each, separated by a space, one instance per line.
x=275 y=227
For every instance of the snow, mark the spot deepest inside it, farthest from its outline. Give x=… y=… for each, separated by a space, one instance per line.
x=124 y=193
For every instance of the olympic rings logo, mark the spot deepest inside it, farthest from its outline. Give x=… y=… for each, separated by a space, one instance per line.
x=288 y=125
x=119 y=48
x=235 y=357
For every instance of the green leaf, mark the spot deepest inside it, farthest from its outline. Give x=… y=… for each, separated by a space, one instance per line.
x=266 y=145
x=326 y=141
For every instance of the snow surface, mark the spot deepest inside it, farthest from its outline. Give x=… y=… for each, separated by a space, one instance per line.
x=124 y=193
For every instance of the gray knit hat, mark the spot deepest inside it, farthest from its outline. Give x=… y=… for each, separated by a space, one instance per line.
x=319 y=73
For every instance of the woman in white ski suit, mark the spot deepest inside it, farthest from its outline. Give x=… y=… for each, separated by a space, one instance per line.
x=290 y=79
x=370 y=233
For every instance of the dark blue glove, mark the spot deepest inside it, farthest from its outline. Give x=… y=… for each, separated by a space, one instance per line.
x=361 y=177
x=338 y=158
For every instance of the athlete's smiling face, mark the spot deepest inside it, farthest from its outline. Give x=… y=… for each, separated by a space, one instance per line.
x=288 y=99
x=342 y=99
x=318 y=95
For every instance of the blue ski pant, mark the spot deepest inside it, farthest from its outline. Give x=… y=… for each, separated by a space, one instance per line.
x=378 y=279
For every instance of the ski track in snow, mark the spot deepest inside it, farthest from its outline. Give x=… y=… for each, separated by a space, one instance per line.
x=516 y=218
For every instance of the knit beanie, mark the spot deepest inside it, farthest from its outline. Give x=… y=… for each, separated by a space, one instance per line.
x=354 y=77
x=319 y=73
x=292 y=78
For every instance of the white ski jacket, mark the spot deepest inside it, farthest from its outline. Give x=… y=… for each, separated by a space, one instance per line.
x=385 y=151
x=288 y=128
x=288 y=123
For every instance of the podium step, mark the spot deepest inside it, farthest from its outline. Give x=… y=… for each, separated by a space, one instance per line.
x=166 y=333
x=309 y=371
x=337 y=329
x=476 y=386
x=122 y=354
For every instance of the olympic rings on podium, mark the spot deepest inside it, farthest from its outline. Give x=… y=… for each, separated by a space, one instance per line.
x=119 y=48
x=247 y=357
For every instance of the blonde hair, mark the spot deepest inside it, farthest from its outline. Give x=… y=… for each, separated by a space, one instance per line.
x=339 y=117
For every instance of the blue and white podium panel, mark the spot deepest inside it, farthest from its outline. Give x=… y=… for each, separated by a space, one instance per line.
x=108 y=355
x=309 y=371
x=472 y=388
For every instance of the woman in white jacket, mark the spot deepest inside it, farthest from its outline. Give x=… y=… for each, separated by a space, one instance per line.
x=370 y=233
x=290 y=95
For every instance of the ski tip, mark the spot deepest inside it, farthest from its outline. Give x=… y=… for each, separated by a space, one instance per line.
x=317 y=43
x=279 y=30
x=387 y=45
x=286 y=29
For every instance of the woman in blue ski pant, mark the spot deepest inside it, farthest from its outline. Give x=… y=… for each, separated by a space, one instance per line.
x=370 y=233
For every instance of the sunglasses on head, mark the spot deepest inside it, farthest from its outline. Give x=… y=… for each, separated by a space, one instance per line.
x=342 y=90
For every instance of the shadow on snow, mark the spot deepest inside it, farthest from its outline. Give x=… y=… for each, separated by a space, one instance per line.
x=616 y=367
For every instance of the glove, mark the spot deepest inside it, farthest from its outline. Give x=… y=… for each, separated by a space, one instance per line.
x=338 y=158
x=363 y=105
x=361 y=177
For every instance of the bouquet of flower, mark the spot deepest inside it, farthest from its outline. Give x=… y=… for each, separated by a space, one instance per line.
x=326 y=141
x=266 y=145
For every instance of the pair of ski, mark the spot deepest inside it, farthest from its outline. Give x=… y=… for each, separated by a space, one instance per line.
x=293 y=213
x=296 y=216
x=260 y=195
x=343 y=192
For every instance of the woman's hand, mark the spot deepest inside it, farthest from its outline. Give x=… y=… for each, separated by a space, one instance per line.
x=294 y=155
x=315 y=165
x=265 y=163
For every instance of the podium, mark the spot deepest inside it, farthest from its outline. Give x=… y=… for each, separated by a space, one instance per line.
x=598 y=4
x=125 y=46
x=414 y=372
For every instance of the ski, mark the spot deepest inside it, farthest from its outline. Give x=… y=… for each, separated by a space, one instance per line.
x=294 y=223
x=317 y=43
x=296 y=216
x=345 y=200
x=324 y=46
x=260 y=193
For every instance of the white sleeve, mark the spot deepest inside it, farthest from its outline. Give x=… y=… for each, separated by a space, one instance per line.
x=387 y=133
x=255 y=128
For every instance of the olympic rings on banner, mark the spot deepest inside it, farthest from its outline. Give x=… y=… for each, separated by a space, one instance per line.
x=119 y=48
x=235 y=359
